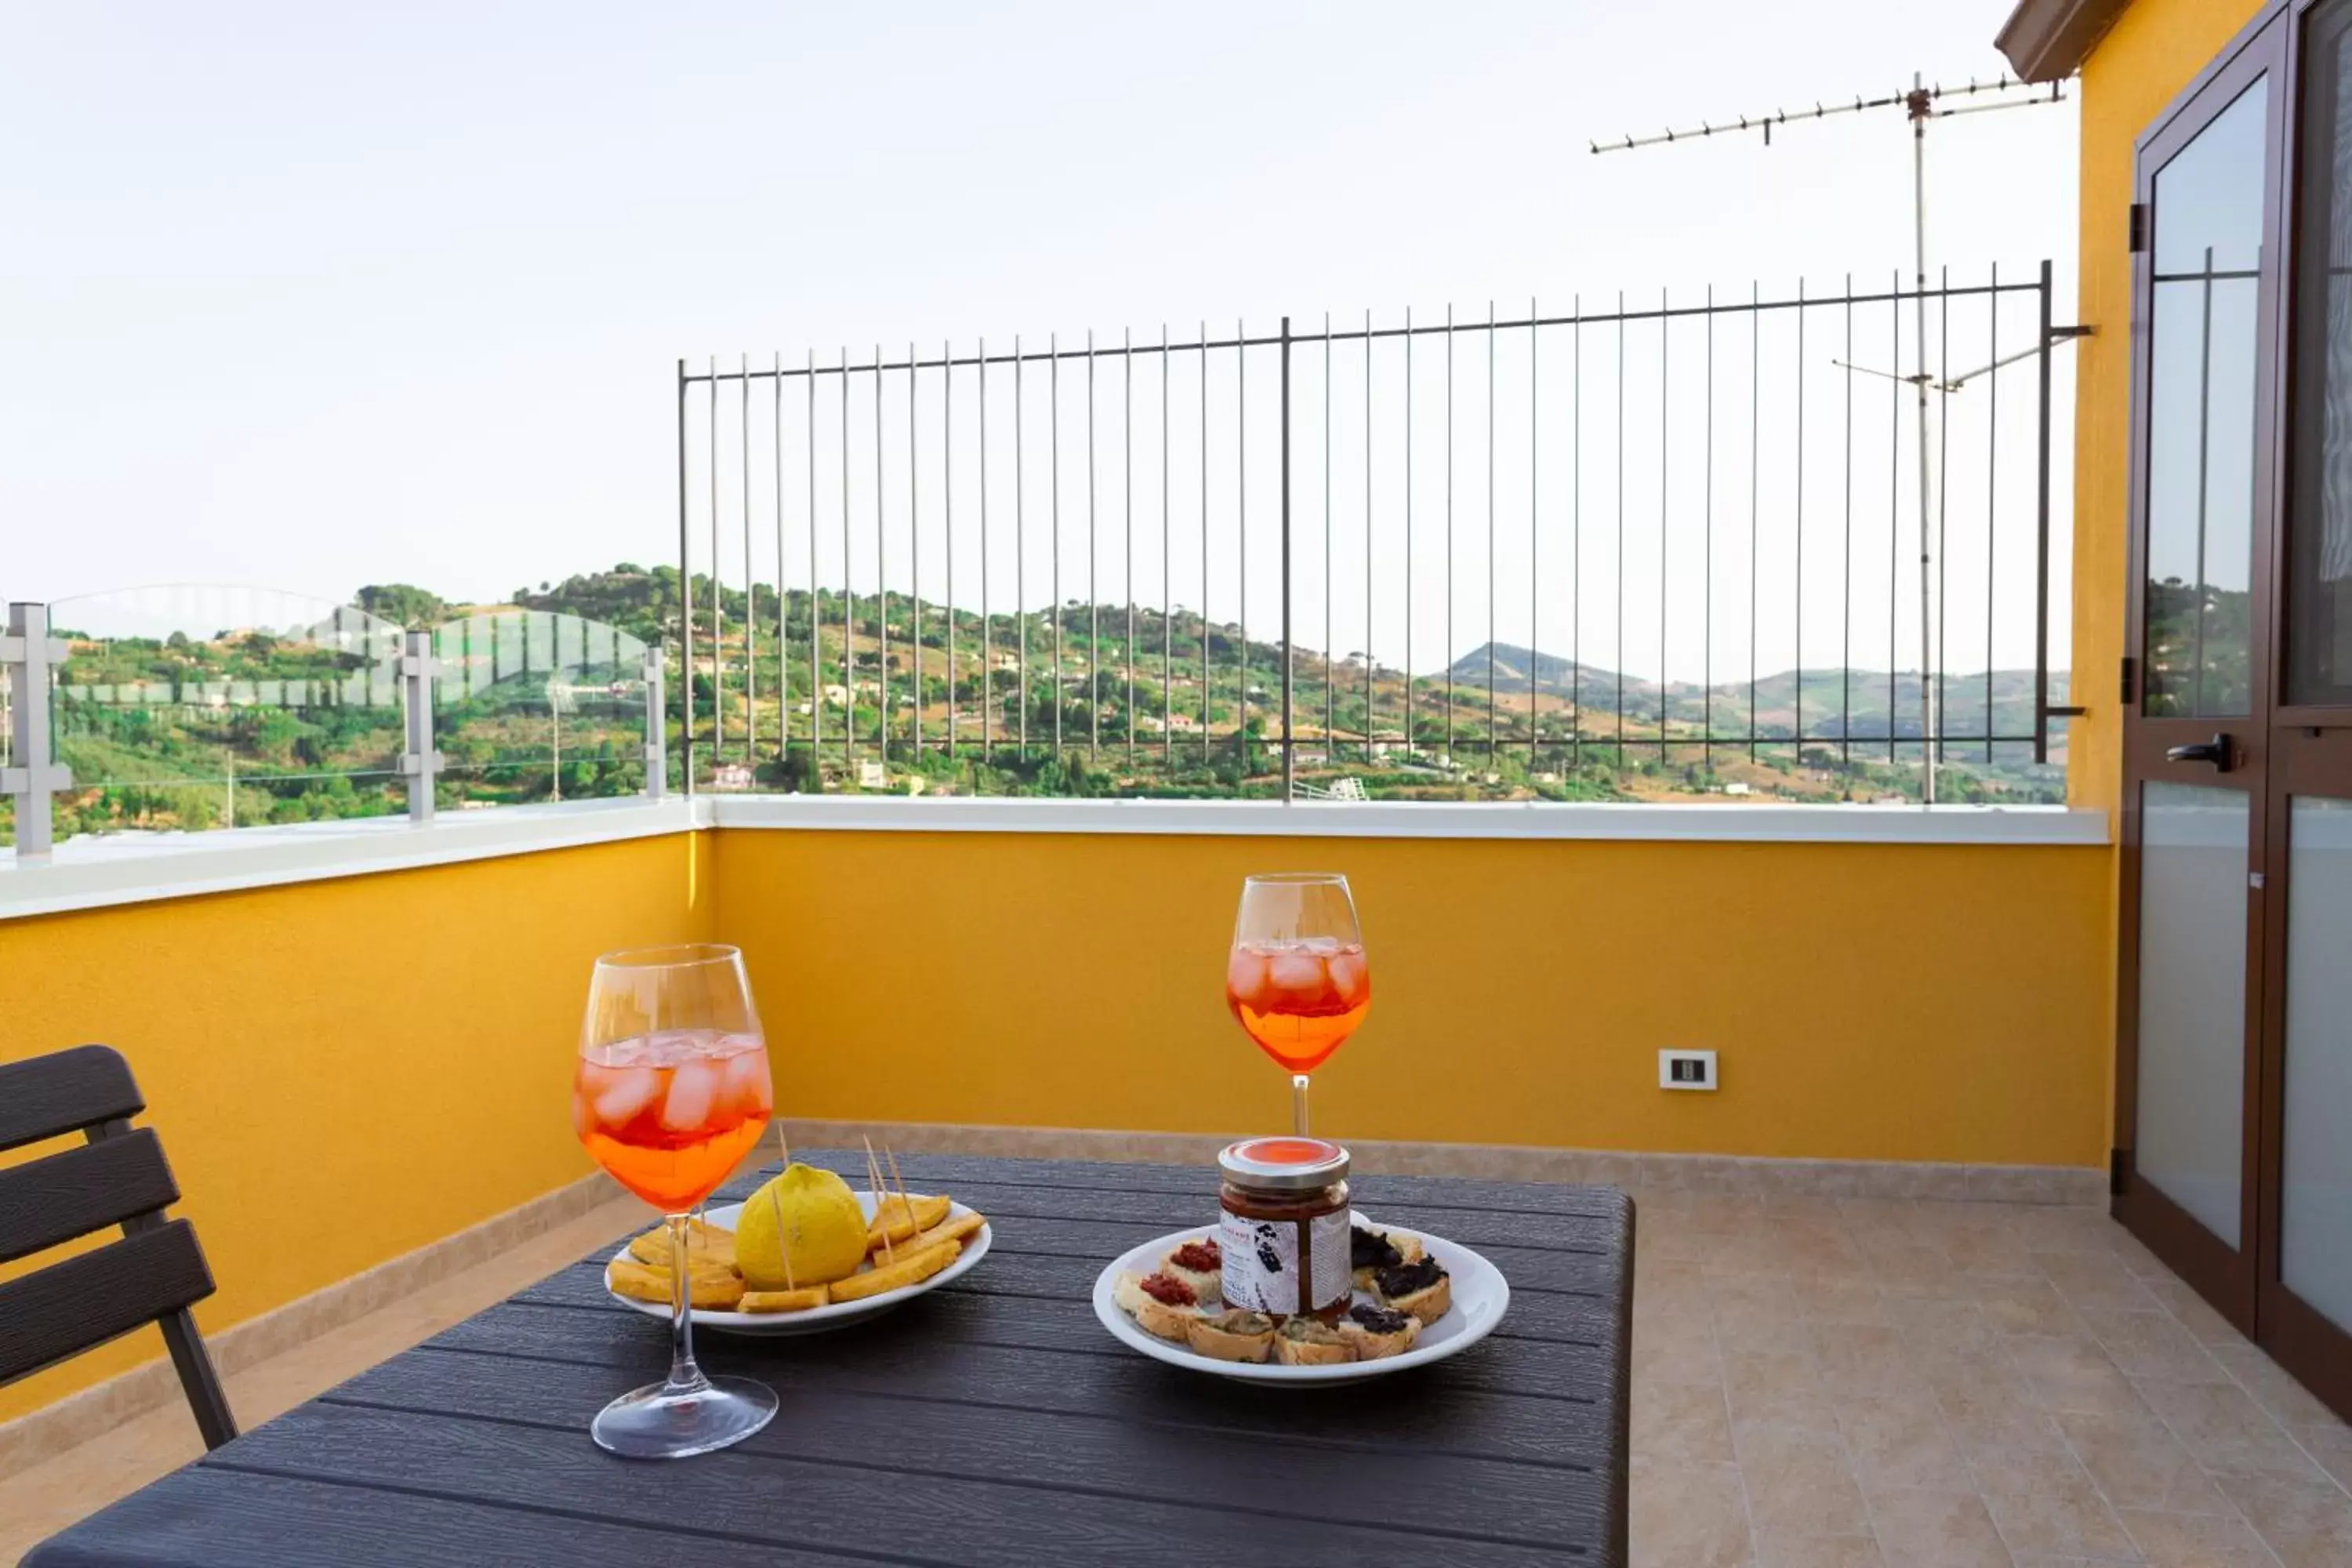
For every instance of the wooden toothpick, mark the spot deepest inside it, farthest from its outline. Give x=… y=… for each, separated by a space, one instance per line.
x=881 y=1200
x=905 y=1197
x=784 y=1242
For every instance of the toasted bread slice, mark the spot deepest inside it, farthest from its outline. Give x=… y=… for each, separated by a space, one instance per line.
x=891 y=1218
x=1306 y=1341
x=1232 y=1335
x=1166 y=1320
x=1198 y=1264
x=704 y=1243
x=1370 y=1250
x=946 y=1230
x=911 y=1269
x=1377 y=1332
x=1422 y=1289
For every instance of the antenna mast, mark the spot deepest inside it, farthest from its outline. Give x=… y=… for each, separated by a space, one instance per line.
x=1921 y=104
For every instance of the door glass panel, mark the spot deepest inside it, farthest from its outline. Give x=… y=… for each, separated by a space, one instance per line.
x=2319 y=548
x=2315 y=1190
x=2192 y=998
x=2208 y=214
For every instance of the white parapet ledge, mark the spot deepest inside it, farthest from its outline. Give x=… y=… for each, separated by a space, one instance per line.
x=1710 y=823
x=92 y=871
x=95 y=870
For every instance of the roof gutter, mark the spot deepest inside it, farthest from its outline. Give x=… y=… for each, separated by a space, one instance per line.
x=2048 y=40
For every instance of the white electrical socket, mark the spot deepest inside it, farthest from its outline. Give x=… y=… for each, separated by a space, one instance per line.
x=1686 y=1069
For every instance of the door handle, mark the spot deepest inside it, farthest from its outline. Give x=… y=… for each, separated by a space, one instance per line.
x=2215 y=751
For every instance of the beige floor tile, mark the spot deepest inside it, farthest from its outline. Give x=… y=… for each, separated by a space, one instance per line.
x=2138 y=1464
x=1839 y=1300
x=2274 y=1387
x=2197 y=1541
x=1943 y=1325
x=1799 y=1482
x=2151 y=1343
x=1677 y=1351
x=2073 y=1373
x=2225 y=1431
x=1778 y=1387
x=2063 y=1513
x=1899 y=1441
x=1681 y=1422
x=1865 y=1358
x=1937 y=1530
x=2022 y=1306
x=2306 y=1521
x=2090 y=1279
x=1687 y=1516
x=1776 y=1548
x=2193 y=1312
x=2330 y=1443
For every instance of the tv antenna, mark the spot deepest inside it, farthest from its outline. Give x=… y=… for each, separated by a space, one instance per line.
x=1921 y=104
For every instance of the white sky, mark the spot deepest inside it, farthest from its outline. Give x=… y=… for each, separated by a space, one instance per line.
x=310 y=295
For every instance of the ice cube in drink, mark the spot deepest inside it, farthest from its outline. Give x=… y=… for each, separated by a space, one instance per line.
x=670 y=1114
x=1299 y=1001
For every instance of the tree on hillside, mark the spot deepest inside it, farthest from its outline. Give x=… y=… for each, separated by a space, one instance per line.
x=404 y=603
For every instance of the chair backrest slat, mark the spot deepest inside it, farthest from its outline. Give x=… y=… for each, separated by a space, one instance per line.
x=81 y=1190
x=90 y=1299
x=65 y=1092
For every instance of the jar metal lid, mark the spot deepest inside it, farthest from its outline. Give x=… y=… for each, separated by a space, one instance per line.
x=1283 y=1164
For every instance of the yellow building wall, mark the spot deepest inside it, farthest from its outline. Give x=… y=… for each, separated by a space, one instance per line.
x=2140 y=66
x=343 y=1072
x=1868 y=1001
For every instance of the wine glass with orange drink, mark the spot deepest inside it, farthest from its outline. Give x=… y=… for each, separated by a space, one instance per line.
x=670 y=1090
x=1297 y=977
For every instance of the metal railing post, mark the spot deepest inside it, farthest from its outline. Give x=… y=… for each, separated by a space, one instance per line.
x=2042 y=535
x=1289 y=741
x=26 y=653
x=419 y=762
x=657 y=728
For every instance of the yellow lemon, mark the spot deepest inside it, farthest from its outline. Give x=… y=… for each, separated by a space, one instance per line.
x=807 y=1216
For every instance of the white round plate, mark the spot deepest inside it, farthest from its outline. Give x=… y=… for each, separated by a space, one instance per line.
x=1480 y=1293
x=817 y=1319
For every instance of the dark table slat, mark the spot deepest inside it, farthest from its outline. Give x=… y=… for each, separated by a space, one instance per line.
x=765 y=1496
x=1437 y=1412
x=824 y=1422
x=212 y=1514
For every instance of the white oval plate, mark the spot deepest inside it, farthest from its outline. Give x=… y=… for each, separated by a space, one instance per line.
x=817 y=1319
x=1481 y=1295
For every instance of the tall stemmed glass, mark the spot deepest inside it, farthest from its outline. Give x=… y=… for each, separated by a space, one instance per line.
x=1297 y=978
x=670 y=1090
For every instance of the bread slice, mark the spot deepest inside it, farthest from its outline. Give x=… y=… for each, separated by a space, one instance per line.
x=1422 y=1289
x=1199 y=1264
x=1233 y=1336
x=1167 y=1321
x=1377 y=1332
x=1306 y=1341
x=1370 y=1250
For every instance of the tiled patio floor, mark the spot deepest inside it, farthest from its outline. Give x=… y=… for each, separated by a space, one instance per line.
x=1821 y=1382
x=1817 y=1384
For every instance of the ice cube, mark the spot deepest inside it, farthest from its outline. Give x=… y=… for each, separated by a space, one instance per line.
x=617 y=1094
x=743 y=1083
x=693 y=1091
x=1246 y=974
x=1299 y=975
x=1349 y=978
x=1321 y=944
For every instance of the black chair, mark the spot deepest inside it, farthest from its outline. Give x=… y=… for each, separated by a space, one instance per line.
x=117 y=1176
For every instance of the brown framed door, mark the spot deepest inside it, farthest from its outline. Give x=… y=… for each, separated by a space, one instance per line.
x=2195 y=731
x=2303 y=1308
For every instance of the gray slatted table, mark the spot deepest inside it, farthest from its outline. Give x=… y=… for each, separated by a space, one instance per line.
x=993 y=1422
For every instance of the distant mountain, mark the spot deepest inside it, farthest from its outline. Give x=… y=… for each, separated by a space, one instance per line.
x=1836 y=702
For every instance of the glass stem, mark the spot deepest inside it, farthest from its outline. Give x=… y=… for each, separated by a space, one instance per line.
x=1298 y=1103
x=685 y=1377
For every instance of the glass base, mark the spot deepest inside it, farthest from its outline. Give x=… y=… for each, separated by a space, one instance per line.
x=658 y=1423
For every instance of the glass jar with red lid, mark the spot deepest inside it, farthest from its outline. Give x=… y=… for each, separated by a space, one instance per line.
x=1284 y=1237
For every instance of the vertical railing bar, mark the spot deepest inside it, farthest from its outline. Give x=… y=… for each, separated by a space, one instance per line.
x=881 y=582
x=2041 y=533
x=784 y=634
x=1992 y=489
x=1330 y=708
x=1845 y=643
x=1665 y=371
x=1241 y=529
x=1621 y=533
x=717 y=599
x=1445 y=649
x=1370 y=658
x=987 y=617
x=817 y=615
x=1053 y=511
x=947 y=523
x=848 y=596
x=1205 y=674
x=1021 y=541
x=1409 y=579
x=1706 y=631
x=1755 y=489
x=1797 y=757
x=913 y=559
x=1576 y=534
x=685 y=588
x=1094 y=595
x=1491 y=728
x=751 y=583
x=1127 y=478
x=1289 y=735
x=1943 y=497
x=1166 y=581
x=1895 y=514
x=1535 y=547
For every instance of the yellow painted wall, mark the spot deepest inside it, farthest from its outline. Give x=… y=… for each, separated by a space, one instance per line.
x=343 y=1072
x=2140 y=66
x=1869 y=1001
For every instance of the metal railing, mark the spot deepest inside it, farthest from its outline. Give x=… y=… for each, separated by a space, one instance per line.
x=1672 y=532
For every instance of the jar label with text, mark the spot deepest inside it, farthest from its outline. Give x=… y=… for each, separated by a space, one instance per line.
x=1261 y=1262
